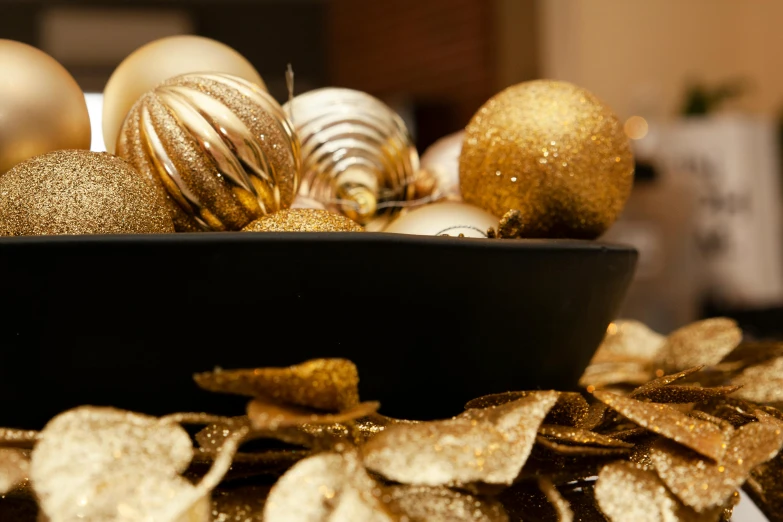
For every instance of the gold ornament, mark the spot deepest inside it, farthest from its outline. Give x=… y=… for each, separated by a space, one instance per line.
x=78 y=192
x=158 y=61
x=554 y=152
x=304 y=220
x=220 y=150
x=357 y=155
x=41 y=107
x=445 y=218
x=439 y=175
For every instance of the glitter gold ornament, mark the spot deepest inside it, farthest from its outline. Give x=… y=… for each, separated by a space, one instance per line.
x=444 y=218
x=304 y=220
x=42 y=107
x=554 y=152
x=158 y=61
x=357 y=154
x=78 y=192
x=220 y=150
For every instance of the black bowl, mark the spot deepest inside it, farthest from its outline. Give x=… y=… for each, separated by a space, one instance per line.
x=431 y=322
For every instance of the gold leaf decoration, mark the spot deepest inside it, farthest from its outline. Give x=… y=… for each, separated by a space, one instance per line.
x=484 y=445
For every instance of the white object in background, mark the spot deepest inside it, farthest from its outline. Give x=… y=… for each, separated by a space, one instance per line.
x=95 y=110
x=747 y=511
x=734 y=162
x=446 y=218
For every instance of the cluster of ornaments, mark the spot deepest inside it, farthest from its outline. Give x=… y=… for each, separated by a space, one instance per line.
x=196 y=143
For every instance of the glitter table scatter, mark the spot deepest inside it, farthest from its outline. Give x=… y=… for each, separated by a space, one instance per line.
x=308 y=450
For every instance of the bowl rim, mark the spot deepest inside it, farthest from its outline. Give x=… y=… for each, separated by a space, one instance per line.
x=218 y=238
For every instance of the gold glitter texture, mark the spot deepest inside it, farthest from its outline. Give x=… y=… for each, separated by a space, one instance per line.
x=552 y=151
x=78 y=192
x=625 y=492
x=325 y=487
x=703 y=483
x=571 y=435
x=701 y=436
x=357 y=154
x=324 y=384
x=266 y=415
x=762 y=382
x=303 y=220
x=481 y=445
x=702 y=343
x=570 y=408
x=14 y=468
x=13 y=438
x=106 y=464
x=439 y=504
x=220 y=150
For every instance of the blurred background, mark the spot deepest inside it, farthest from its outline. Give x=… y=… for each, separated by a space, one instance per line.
x=697 y=83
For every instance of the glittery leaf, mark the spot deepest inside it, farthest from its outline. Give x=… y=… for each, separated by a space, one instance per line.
x=14 y=468
x=324 y=384
x=704 y=484
x=625 y=492
x=763 y=486
x=526 y=501
x=11 y=438
x=737 y=412
x=701 y=436
x=102 y=463
x=702 y=343
x=326 y=487
x=643 y=390
x=581 y=451
x=687 y=394
x=266 y=415
x=762 y=383
x=580 y=436
x=563 y=509
x=440 y=504
x=596 y=413
x=602 y=374
x=628 y=340
x=569 y=410
x=481 y=445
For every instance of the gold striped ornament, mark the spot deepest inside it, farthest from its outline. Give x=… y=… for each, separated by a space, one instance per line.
x=357 y=154
x=220 y=150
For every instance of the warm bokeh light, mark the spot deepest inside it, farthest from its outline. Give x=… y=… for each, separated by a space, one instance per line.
x=636 y=127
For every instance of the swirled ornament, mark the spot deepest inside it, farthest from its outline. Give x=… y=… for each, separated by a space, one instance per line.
x=220 y=150
x=357 y=154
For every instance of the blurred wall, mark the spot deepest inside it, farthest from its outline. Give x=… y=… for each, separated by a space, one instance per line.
x=639 y=55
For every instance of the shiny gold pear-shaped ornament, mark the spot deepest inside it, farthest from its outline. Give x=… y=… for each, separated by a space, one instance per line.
x=220 y=150
x=357 y=154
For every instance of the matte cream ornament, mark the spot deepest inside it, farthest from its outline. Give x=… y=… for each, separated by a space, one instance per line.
x=552 y=151
x=357 y=154
x=42 y=107
x=438 y=178
x=160 y=60
x=78 y=192
x=445 y=218
x=220 y=150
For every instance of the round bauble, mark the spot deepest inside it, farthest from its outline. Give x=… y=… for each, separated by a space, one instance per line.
x=357 y=154
x=445 y=218
x=158 y=61
x=41 y=106
x=438 y=178
x=554 y=152
x=219 y=148
x=304 y=220
x=78 y=192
